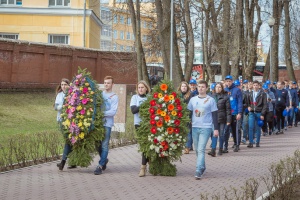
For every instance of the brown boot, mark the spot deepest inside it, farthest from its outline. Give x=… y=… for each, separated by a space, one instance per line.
x=142 y=171
x=186 y=151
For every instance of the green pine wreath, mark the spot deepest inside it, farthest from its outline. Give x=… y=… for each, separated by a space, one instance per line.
x=82 y=118
x=163 y=129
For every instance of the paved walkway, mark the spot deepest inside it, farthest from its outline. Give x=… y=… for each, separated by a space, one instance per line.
x=121 y=181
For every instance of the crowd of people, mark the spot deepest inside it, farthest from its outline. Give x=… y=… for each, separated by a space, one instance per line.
x=243 y=110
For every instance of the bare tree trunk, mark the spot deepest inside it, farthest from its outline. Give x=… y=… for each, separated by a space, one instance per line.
x=225 y=43
x=287 y=44
x=267 y=68
x=277 y=12
x=136 y=26
x=189 y=40
x=251 y=37
x=237 y=39
x=163 y=24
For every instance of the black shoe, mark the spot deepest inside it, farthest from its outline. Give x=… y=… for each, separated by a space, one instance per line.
x=265 y=134
x=98 y=171
x=270 y=133
x=212 y=153
x=104 y=166
x=225 y=150
x=61 y=165
x=236 y=149
x=233 y=146
x=72 y=167
x=296 y=125
x=257 y=145
x=250 y=145
x=220 y=152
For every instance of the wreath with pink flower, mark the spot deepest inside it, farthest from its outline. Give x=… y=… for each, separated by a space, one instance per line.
x=82 y=123
x=163 y=130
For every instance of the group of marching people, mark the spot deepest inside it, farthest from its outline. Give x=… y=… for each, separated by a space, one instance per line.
x=246 y=110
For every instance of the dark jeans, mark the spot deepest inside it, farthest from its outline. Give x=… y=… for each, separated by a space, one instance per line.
x=291 y=116
x=235 y=125
x=144 y=159
x=67 y=150
x=269 y=117
x=280 y=118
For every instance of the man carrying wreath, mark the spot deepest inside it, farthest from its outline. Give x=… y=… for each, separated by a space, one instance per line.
x=204 y=113
x=110 y=107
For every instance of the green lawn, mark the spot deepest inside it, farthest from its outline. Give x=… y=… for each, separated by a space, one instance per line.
x=30 y=112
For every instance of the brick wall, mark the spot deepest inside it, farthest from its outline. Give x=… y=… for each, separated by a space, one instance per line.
x=40 y=65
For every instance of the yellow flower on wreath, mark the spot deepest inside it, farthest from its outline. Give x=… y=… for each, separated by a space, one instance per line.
x=80 y=124
x=174 y=113
x=81 y=135
x=66 y=123
x=79 y=107
x=163 y=113
x=171 y=97
x=160 y=95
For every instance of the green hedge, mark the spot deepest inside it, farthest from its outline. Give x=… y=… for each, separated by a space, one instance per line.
x=23 y=150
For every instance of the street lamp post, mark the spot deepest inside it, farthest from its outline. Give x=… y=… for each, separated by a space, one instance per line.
x=171 y=40
x=271 y=22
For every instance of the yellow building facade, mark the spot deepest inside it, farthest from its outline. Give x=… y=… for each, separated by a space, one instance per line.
x=117 y=32
x=52 y=21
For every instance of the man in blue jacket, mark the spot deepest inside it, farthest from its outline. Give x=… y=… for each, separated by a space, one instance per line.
x=294 y=102
x=282 y=103
x=236 y=103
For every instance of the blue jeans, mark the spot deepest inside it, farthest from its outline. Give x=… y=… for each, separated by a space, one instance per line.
x=221 y=137
x=246 y=126
x=291 y=116
x=67 y=150
x=200 y=138
x=103 y=148
x=253 y=127
x=189 y=141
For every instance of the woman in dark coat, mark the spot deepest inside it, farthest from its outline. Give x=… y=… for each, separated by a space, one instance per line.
x=224 y=117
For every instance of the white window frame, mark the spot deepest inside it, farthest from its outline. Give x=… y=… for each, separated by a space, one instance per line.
x=128 y=36
x=122 y=35
x=121 y=19
x=115 y=34
x=62 y=35
x=128 y=21
x=115 y=19
x=15 y=3
x=121 y=48
x=63 y=3
x=6 y=35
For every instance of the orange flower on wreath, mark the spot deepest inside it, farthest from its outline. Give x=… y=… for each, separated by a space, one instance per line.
x=163 y=113
x=163 y=87
x=171 y=107
x=159 y=124
x=166 y=98
x=158 y=111
x=170 y=130
x=174 y=113
x=167 y=118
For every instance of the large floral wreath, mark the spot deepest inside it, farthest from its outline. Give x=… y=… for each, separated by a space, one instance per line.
x=163 y=131
x=82 y=118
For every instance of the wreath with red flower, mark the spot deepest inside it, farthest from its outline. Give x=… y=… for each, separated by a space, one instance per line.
x=163 y=130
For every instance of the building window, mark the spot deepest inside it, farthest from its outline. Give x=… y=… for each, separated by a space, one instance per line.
x=106 y=31
x=105 y=14
x=144 y=38
x=122 y=35
x=144 y=24
x=105 y=45
x=115 y=34
x=121 y=20
x=115 y=47
x=9 y=36
x=128 y=48
x=59 y=39
x=128 y=36
x=129 y=21
x=150 y=25
x=115 y=19
x=11 y=2
x=121 y=48
x=59 y=2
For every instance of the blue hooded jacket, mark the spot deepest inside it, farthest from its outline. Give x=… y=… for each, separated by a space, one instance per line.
x=294 y=96
x=236 y=99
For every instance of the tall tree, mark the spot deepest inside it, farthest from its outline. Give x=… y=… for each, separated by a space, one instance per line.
x=136 y=26
x=287 y=44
